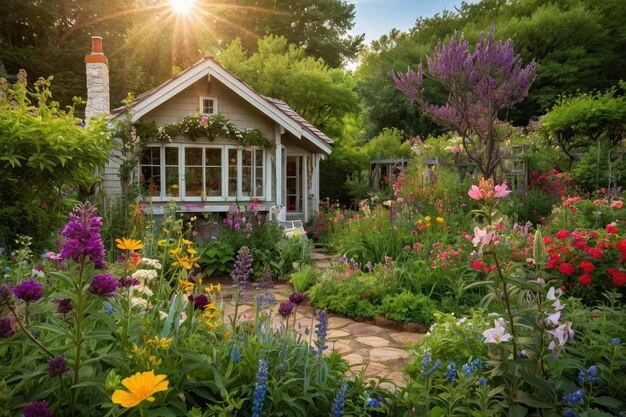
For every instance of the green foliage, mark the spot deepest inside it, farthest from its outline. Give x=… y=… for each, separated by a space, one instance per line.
x=292 y=254
x=304 y=277
x=576 y=122
x=408 y=308
x=320 y=94
x=216 y=257
x=358 y=187
x=600 y=167
x=47 y=159
x=388 y=144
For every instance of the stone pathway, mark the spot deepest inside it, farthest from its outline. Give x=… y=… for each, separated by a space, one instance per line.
x=381 y=351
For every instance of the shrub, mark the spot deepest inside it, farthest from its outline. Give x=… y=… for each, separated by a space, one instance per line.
x=408 y=308
x=216 y=257
x=304 y=277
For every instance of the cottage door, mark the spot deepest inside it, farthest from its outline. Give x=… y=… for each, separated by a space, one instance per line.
x=294 y=184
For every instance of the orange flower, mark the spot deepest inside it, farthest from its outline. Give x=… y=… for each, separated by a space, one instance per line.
x=128 y=244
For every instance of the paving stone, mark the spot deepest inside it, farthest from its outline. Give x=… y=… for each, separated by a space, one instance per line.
x=335 y=334
x=404 y=338
x=341 y=346
x=373 y=341
x=376 y=370
x=354 y=359
x=337 y=322
x=362 y=329
x=384 y=354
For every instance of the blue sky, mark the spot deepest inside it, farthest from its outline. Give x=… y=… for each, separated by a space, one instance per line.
x=378 y=17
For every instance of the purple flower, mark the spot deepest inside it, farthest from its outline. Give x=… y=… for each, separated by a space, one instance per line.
x=243 y=266
x=57 y=366
x=286 y=308
x=37 y=409
x=6 y=327
x=266 y=279
x=103 y=285
x=129 y=282
x=82 y=236
x=6 y=292
x=29 y=290
x=64 y=305
x=200 y=302
x=297 y=297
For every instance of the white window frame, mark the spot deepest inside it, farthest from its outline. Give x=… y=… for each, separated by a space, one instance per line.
x=224 y=171
x=201 y=106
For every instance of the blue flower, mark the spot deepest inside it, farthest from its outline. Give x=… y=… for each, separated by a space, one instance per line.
x=428 y=367
x=321 y=331
x=235 y=356
x=469 y=369
x=591 y=375
x=375 y=402
x=570 y=412
x=574 y=398
x=451 y=372
x=108 y=307
x=340 y=400
x=483 y=380
x=616 y=341
x=260 y=389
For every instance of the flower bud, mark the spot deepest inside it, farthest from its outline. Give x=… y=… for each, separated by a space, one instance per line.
x=112 y=381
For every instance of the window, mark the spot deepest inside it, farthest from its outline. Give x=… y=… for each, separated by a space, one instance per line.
x=196 y=172
x=208 y=105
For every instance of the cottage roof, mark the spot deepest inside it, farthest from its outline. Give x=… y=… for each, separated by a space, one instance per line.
x=276 y=110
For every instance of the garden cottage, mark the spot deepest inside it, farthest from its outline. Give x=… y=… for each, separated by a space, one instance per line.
x=208 y=174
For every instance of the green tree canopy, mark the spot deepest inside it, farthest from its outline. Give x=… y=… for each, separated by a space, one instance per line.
x=320 y=94
x=45 y=155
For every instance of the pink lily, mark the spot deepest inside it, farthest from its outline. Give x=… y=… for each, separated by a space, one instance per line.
x=502 y=190
x=475 y=193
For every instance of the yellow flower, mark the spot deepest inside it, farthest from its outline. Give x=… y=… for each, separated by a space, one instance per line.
x=162 y=242
x=186 y=286
x=139 y=351
x=212 y=325
x=440 y=220
x=191 y=251
x=186 y=262
x=128 y=244
x=141 y=386
x=187 y=242
x=427 y=218
x=160 y=342
x=174 y=251
x=213 y=288
x=227 y=334
x=156 y=362
x=420 y=222
x=211 y=312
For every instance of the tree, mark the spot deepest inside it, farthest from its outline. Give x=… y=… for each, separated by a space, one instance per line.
x=318 y=93
x=481 y=84
x=576 y=122
x=45 y=157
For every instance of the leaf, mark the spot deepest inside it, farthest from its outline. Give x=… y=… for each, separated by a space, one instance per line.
x=539 y=249
x=518 y=411
x=610 y=402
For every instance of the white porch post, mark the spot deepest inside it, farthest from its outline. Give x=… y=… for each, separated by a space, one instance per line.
x=305 y=187
x=278 y=157
x=316 y=182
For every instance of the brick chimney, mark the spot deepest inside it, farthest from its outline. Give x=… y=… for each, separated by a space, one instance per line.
x=98 y=101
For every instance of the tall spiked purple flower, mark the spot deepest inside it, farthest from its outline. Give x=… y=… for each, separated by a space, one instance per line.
x=260 y=388
x=243 y=267
x=82 y=236
x=321 y=331
x=340 y=400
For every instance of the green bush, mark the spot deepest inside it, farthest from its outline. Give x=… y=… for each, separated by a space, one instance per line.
x=291 y=253
x=216 y=257
x=304 y=277
x=408 y=308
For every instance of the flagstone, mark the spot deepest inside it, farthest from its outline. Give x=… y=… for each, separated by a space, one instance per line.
x=384 y=354
x=363 y=329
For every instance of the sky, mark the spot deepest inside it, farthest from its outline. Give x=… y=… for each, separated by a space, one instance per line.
x=377 y=17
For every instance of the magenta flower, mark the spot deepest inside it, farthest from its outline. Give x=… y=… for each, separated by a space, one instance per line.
x=498 y=333
x=82 y=236
x=7 y=328
x=475 y=193
x=286 y=308
x=57 y=366
x=502 y=190
x=37 y=409
x=297 y=297
x=64 y=305
x=103 y=285
x=29 y=290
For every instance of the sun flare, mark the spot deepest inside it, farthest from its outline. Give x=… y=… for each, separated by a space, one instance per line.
x=181 y=6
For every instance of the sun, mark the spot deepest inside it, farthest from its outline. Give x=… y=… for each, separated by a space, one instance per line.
x=181 y=6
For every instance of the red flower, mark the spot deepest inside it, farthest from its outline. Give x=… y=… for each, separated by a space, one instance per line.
x=618 y=277
x=562 y=234
x=584 y=279
x=547 y=240
x=478 y=265
x=567 y=269
x=491 y=268
x=611 y=228
x=587 y=267
x=593 y=234
x=595 y=253
x=553 y=261
x=621 y=247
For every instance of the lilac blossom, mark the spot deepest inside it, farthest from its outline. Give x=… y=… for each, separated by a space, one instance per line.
x=480 y=84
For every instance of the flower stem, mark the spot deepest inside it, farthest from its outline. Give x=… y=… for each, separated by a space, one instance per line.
x=507 y=303
x=78 y=328
x=27 y=333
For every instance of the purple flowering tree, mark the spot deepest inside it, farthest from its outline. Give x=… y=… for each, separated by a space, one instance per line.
x=481 y=84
